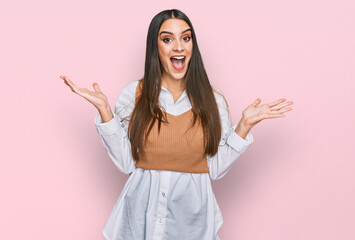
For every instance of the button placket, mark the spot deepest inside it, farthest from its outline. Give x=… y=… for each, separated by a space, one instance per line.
x=162 y=205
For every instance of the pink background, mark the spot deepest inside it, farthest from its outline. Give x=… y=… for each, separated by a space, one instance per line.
x=297 y=180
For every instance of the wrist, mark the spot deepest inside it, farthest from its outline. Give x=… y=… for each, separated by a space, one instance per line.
x=242 y=128
x=244 y=124
x=103 y=108
x=106 y=113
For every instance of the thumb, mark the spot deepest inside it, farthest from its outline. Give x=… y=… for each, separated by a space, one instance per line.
x=256 y=102
x=96 y=87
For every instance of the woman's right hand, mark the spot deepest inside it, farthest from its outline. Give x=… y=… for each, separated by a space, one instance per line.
x=97 y=98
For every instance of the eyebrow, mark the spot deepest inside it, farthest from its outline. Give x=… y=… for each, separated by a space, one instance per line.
x=172 y=33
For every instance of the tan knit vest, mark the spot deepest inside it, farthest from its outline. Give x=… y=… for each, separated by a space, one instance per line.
x=172 y=149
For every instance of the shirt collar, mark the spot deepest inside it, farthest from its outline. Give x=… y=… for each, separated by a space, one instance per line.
x=167 y=94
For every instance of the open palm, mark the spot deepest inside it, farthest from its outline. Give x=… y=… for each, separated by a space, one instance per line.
x=97 y=98
x=254 y=113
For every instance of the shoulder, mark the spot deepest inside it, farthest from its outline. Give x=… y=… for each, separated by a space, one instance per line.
x=127 y=94
x=219 y=96
x=223 y=109
x=126 y=99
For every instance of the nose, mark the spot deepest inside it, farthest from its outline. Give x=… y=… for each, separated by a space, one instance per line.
x=178 y=46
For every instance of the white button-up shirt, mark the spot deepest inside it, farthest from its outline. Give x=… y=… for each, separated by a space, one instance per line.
x=169 y=205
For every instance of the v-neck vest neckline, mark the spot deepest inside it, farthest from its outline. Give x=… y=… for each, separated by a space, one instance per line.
x=180 y=115
x=177 y=147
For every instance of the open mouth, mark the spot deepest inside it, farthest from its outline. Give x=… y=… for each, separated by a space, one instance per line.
x=178 y=62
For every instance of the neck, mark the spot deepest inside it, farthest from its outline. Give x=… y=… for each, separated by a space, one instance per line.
x=173 y=85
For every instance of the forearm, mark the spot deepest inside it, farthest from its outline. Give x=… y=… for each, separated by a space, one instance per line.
x=106 y=113
x=115 y=140
x=242 y=129
x=229 y=149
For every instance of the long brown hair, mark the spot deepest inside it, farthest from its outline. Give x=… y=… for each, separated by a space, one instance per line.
x=198 y=89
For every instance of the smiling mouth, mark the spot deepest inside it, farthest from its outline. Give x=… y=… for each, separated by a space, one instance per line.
x=178 y=63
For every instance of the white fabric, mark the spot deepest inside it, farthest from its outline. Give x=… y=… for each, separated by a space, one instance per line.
x=167 y=205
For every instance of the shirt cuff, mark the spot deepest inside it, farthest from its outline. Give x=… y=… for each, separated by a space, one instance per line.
x=110 y=127
x=237 y=142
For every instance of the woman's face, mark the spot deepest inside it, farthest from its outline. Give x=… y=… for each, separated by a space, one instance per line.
x=175 y=48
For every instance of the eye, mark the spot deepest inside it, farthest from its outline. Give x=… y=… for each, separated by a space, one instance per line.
x=168 y=39
x=187 y=37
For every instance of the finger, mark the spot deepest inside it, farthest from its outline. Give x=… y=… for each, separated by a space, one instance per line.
x=267 y=116
x=69 y=85
x=280 y=111
x=256 y=102
x=285 y=110
x=277 y=107
x=276 y=116
x=276 y=102
x=66 y=82
x=70 y=82
x=74 y=87
x=96 y=87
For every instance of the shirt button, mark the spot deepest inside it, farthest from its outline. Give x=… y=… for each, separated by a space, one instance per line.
x=163 y=194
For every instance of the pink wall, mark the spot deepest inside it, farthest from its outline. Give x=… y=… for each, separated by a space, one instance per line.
x=297 y=180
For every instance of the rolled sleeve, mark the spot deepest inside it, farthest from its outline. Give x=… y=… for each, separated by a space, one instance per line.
x=110 y=127
x=116 y=143
x=237 y=142
x=231 y=145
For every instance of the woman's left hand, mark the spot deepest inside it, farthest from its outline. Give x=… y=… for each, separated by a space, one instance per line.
x=254 y=113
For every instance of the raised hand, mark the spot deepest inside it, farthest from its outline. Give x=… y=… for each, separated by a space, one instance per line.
x=97 y=98
x=253 y=114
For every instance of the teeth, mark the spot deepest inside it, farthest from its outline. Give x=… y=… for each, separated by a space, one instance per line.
x=178 y=57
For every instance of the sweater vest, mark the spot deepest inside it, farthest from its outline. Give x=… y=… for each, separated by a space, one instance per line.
x=177 y=147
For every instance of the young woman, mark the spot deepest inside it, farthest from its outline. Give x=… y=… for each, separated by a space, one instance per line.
x=172 y=132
